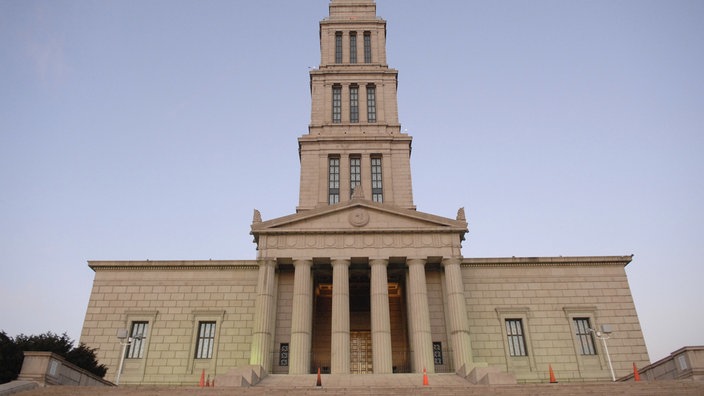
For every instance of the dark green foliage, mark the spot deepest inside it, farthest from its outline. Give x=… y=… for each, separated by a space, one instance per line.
x=11 y=353
x=10 y=359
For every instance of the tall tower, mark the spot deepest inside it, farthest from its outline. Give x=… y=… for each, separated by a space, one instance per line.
x=354 y=137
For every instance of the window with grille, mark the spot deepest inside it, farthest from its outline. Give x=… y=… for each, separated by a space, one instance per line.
x=371 y=103
x=283 y=354
x=355 y=173
x=516 y=338
x=138 y=334
x=333 y=180
x=437 y=353
x=338 y=47
x=336 y=104
x=585 y=339
x=354 y=103
x=206 y=340
x=353 y=47
x=377 y=185
x=367 y=47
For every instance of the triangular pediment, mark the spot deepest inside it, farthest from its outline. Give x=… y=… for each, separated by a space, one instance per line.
x=361 y=216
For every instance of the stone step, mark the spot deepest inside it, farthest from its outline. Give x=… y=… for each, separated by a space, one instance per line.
x=686 y=388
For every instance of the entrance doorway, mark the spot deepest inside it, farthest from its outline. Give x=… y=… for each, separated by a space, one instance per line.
x=361 y=352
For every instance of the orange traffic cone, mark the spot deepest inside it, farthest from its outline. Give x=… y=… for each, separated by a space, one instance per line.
x=552 y=375
x=425 y=377
x=319 y=382
x=202 y=379
x=636 y=376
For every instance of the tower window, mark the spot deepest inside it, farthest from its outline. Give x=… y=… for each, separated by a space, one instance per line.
x=354 y=103
x=338 y=47
x=336 y=104
x=516 y=340
x=371 y=103
x=355 y=173
x=333 y=180
x=206 y=340
x=585 y=340
x=353 y=47
x=377 y=185
x=138 y=334
x=367 y=47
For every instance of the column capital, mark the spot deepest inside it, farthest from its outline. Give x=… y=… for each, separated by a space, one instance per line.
x=415 y=261
x=451 y=260
x=297 y=261
x=340 y=261
x=269 y=261
x=378 y=261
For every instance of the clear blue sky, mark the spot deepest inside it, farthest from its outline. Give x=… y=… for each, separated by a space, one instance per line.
x=151 y=129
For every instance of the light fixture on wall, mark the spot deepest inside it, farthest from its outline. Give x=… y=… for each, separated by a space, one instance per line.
x=125 y=341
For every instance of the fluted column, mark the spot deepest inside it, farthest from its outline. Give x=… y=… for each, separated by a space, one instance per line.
x=381 y=322
x=263 y=329
x=340 y=337
x=301 y=318
x=420 y=317
x=457 y=311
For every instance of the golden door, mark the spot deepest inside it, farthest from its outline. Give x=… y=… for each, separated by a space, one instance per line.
x=361 y=352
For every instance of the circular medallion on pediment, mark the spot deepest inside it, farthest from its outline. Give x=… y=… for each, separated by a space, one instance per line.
x=359 y=217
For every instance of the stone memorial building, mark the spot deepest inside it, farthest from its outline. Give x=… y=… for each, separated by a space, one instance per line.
x=357 y=280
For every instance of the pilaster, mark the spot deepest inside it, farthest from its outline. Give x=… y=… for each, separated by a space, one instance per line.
x=263 y=329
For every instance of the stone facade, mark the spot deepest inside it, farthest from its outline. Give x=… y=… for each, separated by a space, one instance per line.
x=358 y=281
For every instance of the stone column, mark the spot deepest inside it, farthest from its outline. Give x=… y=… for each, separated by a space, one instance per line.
x=340 y=334
x=420 y=317
x=301 y=318
x=263 y=329
x=457 y=311
x=381 y=322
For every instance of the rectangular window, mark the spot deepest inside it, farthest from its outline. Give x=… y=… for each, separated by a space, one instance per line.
x=354 y=103
x=371 y=103
x=355 y=173
x=377 y=185
x=336 y=104
x=367 y=47
x=585 y=339
x=353 y=47
x=138 y=334
x=516 y=339
x=437 y=353
x=338 y=47
x=283 y=354
x=333 y=180
x=206 y=340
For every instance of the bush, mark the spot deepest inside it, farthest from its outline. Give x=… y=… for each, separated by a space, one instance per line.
x=11 y=353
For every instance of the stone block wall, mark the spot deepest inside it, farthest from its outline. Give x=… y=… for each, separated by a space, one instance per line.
x=173 y=297
x=547 y=296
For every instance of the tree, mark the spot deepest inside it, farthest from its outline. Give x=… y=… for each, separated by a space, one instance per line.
x=11 y=353
x=10 y=359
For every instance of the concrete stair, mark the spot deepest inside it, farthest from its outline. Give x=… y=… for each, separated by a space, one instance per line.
x=396 y=384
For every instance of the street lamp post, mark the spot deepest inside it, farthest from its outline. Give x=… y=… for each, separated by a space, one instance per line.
x=604 y=335
x=125 y=341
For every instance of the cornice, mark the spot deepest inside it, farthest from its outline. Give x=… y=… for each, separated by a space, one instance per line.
x=559 y=261
x=174 y=265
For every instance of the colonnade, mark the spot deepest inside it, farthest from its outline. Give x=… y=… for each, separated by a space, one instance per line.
x=419 y=316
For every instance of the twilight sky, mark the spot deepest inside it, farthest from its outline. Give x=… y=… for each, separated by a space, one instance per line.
x=133 y=130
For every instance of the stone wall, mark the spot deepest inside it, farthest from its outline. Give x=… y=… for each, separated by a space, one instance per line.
x=547 y=295
x=47 y=368
x=173 y=297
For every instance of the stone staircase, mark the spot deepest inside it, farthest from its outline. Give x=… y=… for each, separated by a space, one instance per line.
x=396 y=384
